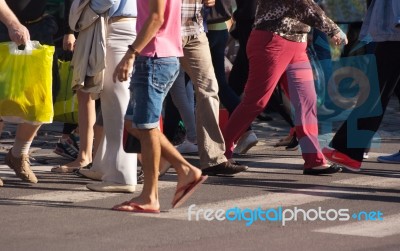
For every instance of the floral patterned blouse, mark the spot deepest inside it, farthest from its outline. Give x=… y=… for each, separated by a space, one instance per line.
x=292 y=19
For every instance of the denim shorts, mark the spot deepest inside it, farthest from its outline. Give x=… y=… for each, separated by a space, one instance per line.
x=150 y=83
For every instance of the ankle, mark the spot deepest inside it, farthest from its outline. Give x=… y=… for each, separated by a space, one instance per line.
x=79 y=162
x=186 y=171
x=20 y=148
x=150 y=200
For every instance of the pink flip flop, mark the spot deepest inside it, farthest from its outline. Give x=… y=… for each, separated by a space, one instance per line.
x=134 y=208
x=188 y=191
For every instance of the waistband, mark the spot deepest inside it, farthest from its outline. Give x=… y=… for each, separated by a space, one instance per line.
x=120 y=19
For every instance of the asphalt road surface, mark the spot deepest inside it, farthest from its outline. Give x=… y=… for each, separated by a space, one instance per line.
x=272 y=206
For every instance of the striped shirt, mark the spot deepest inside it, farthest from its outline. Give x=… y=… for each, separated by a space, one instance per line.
x=192 y=20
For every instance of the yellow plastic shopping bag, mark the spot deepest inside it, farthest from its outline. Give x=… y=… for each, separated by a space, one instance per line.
x=66 y=103
x=26 y=82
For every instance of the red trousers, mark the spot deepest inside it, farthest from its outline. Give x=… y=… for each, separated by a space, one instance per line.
x=271 y=56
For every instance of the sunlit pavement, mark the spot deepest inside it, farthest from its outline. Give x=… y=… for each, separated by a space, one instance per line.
x=272 y=206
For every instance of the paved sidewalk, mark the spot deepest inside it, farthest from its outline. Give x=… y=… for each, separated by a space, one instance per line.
x=268 y=133
x=59 y=213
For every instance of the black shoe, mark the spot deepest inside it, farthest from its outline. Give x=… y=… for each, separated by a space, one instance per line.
x=330 y=170
x=293 y=145
x=264 y=117
x=225 y=168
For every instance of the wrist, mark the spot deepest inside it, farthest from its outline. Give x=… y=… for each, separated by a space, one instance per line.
x=133 y=50
x=12 y=24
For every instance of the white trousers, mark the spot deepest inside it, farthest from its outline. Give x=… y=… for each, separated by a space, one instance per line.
x=111 y=159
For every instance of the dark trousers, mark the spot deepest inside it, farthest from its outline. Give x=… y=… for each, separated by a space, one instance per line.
x=218 y=40
x=240 y=69
x=388 y=58
x=171 y=119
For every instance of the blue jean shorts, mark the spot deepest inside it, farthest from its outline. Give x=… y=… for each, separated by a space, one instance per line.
x=150 y=83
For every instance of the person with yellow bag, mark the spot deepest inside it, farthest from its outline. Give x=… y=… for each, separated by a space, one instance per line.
x=21 y=21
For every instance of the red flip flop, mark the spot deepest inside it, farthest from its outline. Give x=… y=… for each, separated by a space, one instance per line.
x=188 y=191
x=134 y=208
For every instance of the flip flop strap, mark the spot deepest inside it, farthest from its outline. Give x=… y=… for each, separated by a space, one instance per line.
x=186 y=187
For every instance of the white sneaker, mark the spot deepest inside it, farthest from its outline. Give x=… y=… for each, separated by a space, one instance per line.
x=365 y=156
x=247 y=141
x=187 y=147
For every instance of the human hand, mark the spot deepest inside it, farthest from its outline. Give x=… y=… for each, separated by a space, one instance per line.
x=18 y=33
x=69 y=42
x=339 y=38
x=123 y=71
x=209 y=3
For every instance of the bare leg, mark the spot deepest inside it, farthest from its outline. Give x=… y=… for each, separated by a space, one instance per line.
x=186 y=172
x=150 y=158
x=23 y=139
x=98 y=135
x=86 y=120
x=164 y=164
x=18 y=157
x=26 y=132
x=154 y=145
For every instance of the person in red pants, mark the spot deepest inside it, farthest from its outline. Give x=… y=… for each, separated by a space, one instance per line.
x=277 y=46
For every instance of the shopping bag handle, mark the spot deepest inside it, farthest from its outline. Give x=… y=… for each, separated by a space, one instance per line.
x=65 y=55
x=23 y=50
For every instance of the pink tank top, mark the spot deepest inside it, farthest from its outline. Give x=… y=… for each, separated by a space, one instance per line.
x=168 y=40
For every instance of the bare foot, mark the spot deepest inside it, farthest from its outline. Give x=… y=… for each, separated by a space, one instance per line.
x=139 y=204
x=77 y=164
x=70 y=167
x=190 y=175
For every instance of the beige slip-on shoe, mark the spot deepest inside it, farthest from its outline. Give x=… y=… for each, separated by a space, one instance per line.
x=111 y=187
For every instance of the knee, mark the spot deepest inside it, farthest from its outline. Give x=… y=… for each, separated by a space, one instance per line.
x=206 y=87
x=254 y=104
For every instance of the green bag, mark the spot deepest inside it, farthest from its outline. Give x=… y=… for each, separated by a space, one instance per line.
x=66 y=103
x=26 y=82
